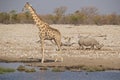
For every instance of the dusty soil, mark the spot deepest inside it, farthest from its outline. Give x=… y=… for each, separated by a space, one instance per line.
x=18 y=42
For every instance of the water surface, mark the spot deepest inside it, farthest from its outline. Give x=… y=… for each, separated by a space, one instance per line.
x=49 y=75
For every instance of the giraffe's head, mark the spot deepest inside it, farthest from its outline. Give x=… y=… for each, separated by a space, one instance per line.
x=27 y=5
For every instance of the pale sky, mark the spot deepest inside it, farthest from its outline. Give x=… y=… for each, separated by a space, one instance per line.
x=48 y=6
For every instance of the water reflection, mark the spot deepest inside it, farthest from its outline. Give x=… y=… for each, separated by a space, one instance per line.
x=10 y=65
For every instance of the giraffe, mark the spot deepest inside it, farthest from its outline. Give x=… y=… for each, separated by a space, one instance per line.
x=45 y=31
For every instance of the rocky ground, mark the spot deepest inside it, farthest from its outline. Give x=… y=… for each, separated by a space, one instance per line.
x=18 y=42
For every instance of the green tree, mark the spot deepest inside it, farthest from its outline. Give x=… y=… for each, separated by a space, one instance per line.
x=13 y=16
x=4 y=18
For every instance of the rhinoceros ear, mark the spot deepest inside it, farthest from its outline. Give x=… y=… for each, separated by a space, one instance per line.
x=27 y=2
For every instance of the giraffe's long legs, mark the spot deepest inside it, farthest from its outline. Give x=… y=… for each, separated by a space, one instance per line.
x=42 y=49
x=58 y=43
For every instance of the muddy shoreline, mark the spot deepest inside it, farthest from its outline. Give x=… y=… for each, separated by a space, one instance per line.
x=73 y=64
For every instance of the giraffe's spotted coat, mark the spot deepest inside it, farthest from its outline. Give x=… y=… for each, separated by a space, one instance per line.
x=45 y=31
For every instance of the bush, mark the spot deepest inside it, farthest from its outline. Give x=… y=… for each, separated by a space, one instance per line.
x=6 y=70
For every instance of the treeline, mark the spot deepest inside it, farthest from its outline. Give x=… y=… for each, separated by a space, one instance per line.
x=13 y=17
x=86 y=15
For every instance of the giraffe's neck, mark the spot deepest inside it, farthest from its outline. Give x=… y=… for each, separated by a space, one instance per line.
x=36 y=18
